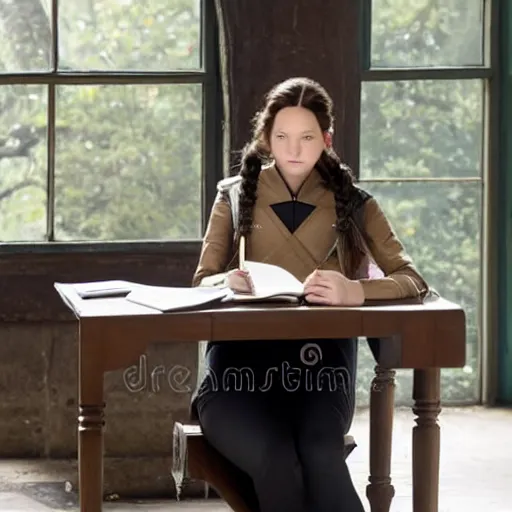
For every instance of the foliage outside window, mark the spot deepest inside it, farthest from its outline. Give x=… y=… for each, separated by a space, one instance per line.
x=101 y=120
x=421 y=156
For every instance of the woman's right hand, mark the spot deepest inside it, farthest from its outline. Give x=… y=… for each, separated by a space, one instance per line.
x=240 y=281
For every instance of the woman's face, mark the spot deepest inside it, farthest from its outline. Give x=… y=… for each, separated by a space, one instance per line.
x=296 y=141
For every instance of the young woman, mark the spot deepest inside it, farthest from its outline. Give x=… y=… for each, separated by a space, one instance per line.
x=294 y=204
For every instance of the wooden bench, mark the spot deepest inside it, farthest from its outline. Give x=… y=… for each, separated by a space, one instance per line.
x=195 y=458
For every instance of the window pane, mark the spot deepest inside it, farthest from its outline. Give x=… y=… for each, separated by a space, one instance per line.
x=418 y=33
x=129 y=35
x=128 y=162
x=419 y=129
x=25 y=35
x=23 y=157
x=439 y=224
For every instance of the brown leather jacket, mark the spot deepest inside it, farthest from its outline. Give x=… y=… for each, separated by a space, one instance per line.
x=315 y=243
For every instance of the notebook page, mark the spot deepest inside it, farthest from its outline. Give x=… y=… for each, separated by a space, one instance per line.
x=273 y=280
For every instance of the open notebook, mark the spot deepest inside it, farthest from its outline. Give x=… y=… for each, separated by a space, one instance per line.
x=270 y=282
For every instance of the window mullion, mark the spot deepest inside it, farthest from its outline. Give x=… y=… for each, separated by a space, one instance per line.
x=365 y=29
x=50 y=183
x=55 y=35
x=212 y=157
x=50 y=147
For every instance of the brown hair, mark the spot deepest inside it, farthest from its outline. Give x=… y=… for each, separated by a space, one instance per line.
x=336 y=176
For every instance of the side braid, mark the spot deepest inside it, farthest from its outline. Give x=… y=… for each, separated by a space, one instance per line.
x=339 y=178
x=250 y=171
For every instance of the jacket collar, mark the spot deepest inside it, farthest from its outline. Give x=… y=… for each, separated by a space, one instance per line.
x=276 y=190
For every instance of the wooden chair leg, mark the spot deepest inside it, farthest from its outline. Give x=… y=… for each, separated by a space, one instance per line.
x=380 y=491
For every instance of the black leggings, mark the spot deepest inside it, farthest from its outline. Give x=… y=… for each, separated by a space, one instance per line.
x=290 y=443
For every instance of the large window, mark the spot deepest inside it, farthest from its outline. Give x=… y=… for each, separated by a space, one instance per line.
x=422 y=144
x=104 y=111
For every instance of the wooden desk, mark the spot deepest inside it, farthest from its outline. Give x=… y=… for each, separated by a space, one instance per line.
x=113 y=333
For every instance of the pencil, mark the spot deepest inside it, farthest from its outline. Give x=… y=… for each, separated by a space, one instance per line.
x=241 y=253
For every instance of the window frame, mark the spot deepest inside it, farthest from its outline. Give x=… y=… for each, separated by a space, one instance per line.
x=488 y=73
x=499 y=385
x=208 y=75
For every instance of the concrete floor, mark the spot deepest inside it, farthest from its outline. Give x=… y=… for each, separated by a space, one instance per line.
x=476 y=470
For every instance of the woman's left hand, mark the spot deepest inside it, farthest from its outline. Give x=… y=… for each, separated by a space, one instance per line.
x=333 y=288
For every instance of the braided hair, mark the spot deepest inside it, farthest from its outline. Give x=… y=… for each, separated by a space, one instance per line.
x=339 y=178
x=335 y=175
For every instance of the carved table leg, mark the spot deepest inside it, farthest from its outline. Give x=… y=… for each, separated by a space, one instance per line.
x=380 y=492
x=90 y=425
x=426 y=440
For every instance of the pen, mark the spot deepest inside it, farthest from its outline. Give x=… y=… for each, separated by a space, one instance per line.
x=241 y=253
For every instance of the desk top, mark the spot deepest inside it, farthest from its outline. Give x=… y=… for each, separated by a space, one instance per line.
x=424 y=334
x=120 y=307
